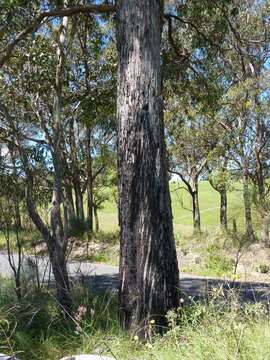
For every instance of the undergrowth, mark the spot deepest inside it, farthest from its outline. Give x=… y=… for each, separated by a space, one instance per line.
x=219 y=327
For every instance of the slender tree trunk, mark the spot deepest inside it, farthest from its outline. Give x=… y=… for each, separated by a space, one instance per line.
x=89 y=179
x=78 y=199
x=55 y=245
x=223 y=209
x=149 y=277
x=196 y=206
x=69 y=198
x=96 y=218
x=247 y=207
x=59 y=267
x=75 y=170
x=57 y=240
x=15 y=266
x=265 y=221
x=196 y=212
x=260 y=178
x=18 y=221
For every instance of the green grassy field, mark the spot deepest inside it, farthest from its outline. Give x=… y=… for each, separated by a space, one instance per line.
x=210 y=242
x=182 y=206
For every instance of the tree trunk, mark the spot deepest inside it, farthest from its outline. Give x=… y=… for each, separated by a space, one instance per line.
x=18 y=221
x=56 y=249
x=149 y=276
x=69 y=198
x=78 y=199
x=16 y=199
x=75 y=172
x=89 y=179
x=247 y=206
x=196 y=212
x=59 y=267
x=265 y=230
x=96 y=218
x=196 y=206
x=58 y=239
x=261 y=174
x=223 y=209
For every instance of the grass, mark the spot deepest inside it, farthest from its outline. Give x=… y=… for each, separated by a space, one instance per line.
x=103 y=257
x=25 y=236
x=182 y=205
x=215 y=262
x=217 y=328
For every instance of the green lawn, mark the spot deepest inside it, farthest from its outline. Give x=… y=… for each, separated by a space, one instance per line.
x=182 y=214
x=182 y=206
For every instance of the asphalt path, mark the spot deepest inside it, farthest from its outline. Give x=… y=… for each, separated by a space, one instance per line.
x=101 y=278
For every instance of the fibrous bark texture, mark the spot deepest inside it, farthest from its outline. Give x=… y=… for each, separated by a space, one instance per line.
x=149 y=274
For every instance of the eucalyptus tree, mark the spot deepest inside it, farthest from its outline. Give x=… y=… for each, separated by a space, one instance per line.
x=46 y=123
x=192 y=138
x=193 y=84
x=148 y=271
x=220 y=178
x=148 y=265
x=249 y=145
x=93 y=76
x=244 y=59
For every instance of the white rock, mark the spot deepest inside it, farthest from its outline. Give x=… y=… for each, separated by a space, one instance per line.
x=7 y=357
x=87 y=357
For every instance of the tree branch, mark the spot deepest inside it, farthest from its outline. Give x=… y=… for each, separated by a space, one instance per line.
x=35 y=24
x=183 y=179
x=184 y=21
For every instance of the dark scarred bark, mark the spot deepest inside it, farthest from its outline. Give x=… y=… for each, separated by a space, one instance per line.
x=149 y=276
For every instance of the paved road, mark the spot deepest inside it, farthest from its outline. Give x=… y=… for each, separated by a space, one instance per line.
x=103 y=278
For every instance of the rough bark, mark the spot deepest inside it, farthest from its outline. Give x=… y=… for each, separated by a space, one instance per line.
x=149 y=277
